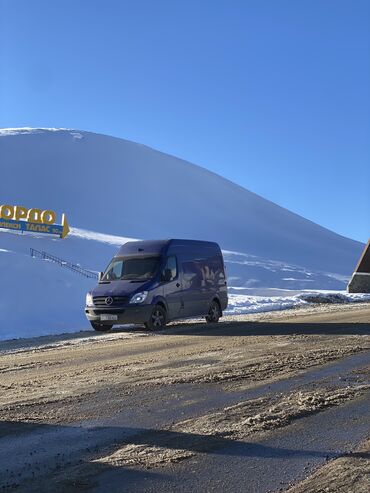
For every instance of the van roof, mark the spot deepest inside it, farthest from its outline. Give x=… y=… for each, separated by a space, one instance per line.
x=158 y=247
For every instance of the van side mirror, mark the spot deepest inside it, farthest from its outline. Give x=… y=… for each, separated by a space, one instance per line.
x=100 y=276
x=166 y=275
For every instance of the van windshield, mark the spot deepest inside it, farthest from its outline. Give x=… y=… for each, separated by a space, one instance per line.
x=131 y=269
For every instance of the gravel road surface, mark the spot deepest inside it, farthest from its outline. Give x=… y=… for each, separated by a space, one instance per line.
x=257 y=403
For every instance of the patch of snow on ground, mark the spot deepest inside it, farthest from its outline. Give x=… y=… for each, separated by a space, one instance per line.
x=241 y=304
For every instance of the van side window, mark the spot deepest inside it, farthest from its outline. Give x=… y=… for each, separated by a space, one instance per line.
x=169 y=272
x=192 y=274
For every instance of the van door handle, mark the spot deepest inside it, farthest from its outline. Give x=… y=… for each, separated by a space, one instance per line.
x=177 y=284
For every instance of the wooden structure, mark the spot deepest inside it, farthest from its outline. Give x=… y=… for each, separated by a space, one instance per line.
x=360 y=280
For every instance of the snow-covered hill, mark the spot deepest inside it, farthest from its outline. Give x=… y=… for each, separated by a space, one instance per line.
x=121 y=189
x=39 y=297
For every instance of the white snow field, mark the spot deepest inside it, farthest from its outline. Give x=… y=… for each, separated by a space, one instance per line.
x=113 y=190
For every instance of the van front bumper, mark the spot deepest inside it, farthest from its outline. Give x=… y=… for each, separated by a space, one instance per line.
x=131 y=314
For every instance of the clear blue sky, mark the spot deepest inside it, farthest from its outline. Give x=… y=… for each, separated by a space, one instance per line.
x=272 y=94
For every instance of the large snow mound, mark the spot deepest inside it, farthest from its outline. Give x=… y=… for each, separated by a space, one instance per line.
x=122 y=188
x=113 y=190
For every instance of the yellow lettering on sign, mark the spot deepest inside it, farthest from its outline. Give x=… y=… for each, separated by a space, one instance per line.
x=40 y=228
x=48 y=217
x=20 y=212
x=34 y=216
x=35 y=219
x=6 y=211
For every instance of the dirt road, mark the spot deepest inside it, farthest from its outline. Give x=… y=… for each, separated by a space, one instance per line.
x=256 y=403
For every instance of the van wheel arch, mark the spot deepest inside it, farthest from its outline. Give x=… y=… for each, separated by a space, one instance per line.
x=217 y=301
x=159 y=300
x=162 y=304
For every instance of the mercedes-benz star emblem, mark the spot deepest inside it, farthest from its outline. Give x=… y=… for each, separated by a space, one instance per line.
x=109 y=300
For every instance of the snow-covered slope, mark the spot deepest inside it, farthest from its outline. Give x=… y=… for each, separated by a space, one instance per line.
x=38 y=297
x=112 y=190
x=122 y=188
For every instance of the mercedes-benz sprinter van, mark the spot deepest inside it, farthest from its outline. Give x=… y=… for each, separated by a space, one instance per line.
x=154 y=282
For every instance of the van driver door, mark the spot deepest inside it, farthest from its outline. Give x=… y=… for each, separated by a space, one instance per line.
x=172 y=288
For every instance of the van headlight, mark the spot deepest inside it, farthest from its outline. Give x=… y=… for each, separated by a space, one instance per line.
x=139 y=297
x=89 y=300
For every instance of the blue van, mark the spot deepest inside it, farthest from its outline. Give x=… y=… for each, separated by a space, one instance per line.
x=154 y=282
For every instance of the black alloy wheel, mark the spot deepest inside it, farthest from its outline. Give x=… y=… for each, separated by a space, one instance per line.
x=214 y=313
x=158 y=318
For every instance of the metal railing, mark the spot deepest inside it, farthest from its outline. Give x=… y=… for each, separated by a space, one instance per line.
x=63 y=263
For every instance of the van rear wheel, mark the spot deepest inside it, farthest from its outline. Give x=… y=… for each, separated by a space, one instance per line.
x=214 y=313
x=100 y=327
x=158 y=318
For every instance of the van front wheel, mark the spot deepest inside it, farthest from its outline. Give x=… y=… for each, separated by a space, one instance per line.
x=158 y=318
x=214 y=313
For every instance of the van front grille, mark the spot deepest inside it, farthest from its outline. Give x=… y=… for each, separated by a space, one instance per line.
x=117 y=300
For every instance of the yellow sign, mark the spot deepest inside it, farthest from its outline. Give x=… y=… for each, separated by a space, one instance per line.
x=33 y=220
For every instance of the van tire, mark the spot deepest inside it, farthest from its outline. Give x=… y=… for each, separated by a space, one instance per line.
x=100 y=327
x=158 y=318
x=214 y=313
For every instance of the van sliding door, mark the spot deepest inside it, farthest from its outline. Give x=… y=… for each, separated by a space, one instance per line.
x=172 y=291
x=192 y=288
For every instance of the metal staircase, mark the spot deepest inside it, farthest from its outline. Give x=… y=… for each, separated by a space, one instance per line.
x=63 y=263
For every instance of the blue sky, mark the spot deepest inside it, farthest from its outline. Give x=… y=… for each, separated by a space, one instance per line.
x=272 y=94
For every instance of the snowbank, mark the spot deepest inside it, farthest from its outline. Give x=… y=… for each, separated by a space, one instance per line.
x=239 y=304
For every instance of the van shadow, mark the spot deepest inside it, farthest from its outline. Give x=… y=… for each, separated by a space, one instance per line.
x=245 y=329
x=70 y=461
x=196 y=328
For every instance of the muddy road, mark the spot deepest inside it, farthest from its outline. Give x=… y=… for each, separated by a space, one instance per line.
x=266 y=402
